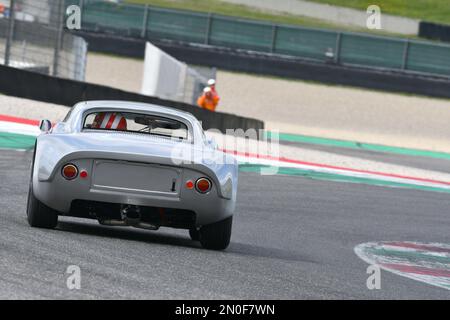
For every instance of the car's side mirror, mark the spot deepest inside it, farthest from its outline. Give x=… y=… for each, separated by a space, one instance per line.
x=45 y=126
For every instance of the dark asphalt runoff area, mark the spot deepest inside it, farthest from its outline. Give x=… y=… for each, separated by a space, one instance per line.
x=293 y=238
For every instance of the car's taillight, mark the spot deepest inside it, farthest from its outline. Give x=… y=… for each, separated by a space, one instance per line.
x=69 y=171
x=83 y=174
x=203 y=185
x=189 y=184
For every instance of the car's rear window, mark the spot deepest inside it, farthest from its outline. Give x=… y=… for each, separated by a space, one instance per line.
x=137 y=123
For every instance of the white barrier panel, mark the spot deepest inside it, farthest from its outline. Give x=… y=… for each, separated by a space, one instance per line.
x=164 y=76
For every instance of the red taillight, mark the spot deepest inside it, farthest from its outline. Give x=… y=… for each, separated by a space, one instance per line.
x=203 y=185
x=69 y=171
x=189 y=184
x=83 y=174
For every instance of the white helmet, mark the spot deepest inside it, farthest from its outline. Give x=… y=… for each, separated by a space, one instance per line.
x=211 y=82
x=207 y=89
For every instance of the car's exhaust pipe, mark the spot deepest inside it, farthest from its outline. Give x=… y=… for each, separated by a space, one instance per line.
x=113 y=223
x=146 y=225
x=131 y=217
x=125 y=223
x=131 y=214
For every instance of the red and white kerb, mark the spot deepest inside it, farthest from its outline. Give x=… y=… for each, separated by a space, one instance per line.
x=112 y=121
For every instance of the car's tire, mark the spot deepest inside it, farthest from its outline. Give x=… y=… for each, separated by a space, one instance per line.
x=195 y=234
x=216 y=236
x=38 y=214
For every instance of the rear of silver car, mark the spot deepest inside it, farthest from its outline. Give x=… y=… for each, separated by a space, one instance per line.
x=137 y=194
x=132 y=184
x=133 y=175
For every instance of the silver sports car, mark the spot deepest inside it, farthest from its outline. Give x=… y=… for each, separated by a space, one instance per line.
x=133 y=164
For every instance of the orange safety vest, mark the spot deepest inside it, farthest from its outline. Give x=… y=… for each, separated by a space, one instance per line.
x=207 y=103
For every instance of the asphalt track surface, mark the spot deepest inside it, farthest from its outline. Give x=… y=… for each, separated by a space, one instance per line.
x=293 y=238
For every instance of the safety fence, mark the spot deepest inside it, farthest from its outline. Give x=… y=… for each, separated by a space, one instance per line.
x=35 y=39
x=346 y=48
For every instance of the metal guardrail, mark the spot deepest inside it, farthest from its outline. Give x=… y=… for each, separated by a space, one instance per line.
x=34 y=39
x=321 y=45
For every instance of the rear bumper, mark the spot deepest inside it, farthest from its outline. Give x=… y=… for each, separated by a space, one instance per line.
x=60 y=194
x=111 y=214
x=207 y=208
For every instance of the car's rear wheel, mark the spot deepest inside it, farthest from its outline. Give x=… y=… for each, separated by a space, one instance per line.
x=216 y=236
x=38 y=214
x=195 y=234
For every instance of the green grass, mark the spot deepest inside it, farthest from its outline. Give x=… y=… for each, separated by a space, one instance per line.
x=242 y=11
x=429 y=10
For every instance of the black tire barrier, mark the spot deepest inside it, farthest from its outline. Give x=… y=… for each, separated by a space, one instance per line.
x=272 y=65
x=434 y=31
x=41 y=87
